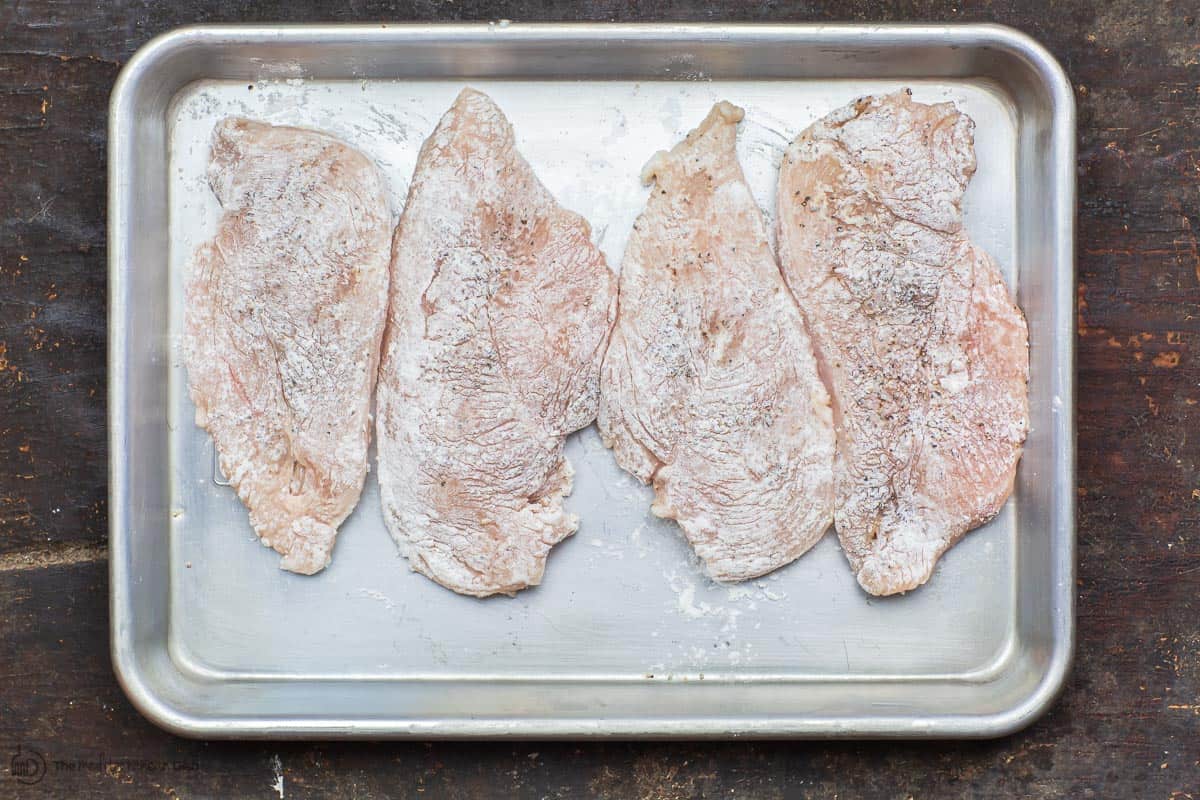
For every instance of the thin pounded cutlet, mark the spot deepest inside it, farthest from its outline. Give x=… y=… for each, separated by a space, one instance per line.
x=284 y=322
x=924 y=351
x=500 y=309
x=710 y=389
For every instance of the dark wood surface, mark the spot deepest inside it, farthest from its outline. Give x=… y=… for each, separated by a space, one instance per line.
x=1128 y=722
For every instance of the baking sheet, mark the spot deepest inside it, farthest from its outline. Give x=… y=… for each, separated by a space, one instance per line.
x=623 y=602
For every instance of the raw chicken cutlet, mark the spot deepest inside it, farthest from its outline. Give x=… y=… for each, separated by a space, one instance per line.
x=500 y=310
x=284 y=323
x=923 y=350
x=710 y=389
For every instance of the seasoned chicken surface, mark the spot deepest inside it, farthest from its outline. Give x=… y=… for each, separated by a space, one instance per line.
x=284 y=322
x=500 y=310
x=924 y=352
x=710 y=389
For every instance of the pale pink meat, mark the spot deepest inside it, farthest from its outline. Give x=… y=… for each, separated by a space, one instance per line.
x=922 y=347
x=283 y=327
x=710 y=389
x=500 y=310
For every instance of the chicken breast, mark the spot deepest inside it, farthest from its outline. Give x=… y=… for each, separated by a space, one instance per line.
x=924 y=352
x=500 y=310
x=284 y=323
x=710 y=389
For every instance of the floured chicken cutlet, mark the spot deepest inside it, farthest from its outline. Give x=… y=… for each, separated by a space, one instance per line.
x=924 y=352
x=500 y=310
x=710 y=389
x=284 y=322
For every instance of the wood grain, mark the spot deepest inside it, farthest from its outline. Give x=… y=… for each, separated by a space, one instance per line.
x=1127 y=724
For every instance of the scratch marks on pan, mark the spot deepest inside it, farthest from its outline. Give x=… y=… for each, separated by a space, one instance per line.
x=413 y=127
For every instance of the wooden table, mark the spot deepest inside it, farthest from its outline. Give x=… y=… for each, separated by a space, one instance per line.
x=1128 y=723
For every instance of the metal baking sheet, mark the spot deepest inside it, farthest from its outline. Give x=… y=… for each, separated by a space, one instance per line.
x=625 y=637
